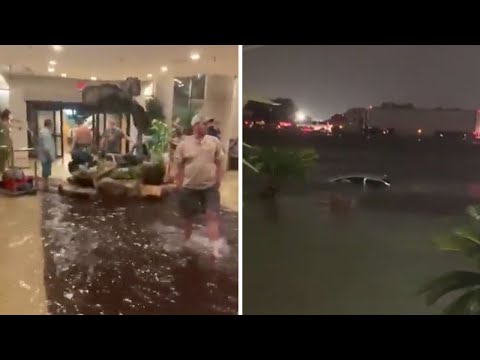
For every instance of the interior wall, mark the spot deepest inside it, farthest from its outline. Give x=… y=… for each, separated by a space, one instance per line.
x=4 y=98
x=4 y=93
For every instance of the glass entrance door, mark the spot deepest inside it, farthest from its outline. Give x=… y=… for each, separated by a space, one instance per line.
x=57 y=119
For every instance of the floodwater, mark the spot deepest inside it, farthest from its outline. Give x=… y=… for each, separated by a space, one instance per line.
x=302 y=258
x=130 y=258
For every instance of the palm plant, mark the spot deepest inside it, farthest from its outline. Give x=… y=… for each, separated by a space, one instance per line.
x=278 y=165
x=159 y=141
x=467 y=241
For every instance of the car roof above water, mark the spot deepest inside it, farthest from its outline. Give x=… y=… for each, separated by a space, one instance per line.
x=375 y=177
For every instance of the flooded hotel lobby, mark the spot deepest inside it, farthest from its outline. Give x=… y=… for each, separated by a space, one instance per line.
x=71 y=256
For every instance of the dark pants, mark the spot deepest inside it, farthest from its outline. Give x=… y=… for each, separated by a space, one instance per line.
x=194 y=201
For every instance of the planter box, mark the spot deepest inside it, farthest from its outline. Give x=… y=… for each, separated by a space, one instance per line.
x=77 y=191
x=156 y=190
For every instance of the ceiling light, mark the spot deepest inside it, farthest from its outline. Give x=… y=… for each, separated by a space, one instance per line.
x=149 y=76
x=52 y=62
x=51 y=69
x=195 y=56
x=164 y=69
x=93 y=78
x=57 y=47
x=64 y=75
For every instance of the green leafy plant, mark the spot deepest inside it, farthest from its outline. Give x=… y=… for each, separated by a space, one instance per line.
x=159 y=141
x=465 y=239
x=278 y=165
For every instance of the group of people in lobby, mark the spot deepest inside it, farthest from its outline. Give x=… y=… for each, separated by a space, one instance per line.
x=198 y=160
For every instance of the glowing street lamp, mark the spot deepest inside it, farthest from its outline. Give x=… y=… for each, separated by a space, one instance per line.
x=300 y=116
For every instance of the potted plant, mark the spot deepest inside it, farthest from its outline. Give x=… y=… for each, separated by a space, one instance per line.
x=159 y=141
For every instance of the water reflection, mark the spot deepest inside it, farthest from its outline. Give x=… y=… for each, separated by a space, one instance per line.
x=117 y=258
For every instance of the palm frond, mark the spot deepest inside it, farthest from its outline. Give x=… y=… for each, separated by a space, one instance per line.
x=451 y=281
x=466 y=304
x=474 y=212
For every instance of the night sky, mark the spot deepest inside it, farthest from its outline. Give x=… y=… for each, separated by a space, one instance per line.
x=324 y=80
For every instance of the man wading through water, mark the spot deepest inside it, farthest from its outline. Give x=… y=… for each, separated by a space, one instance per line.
x=199 y=164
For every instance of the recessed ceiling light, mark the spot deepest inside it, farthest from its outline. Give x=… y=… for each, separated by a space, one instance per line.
x=195 y=56
x=51 y=69
x=64 y=75
x=57 y=47
x=52 y=62
x=93 y=78
x=164 y=69
x=149 y=76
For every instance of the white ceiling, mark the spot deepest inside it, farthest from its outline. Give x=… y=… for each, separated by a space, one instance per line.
x=115 y=62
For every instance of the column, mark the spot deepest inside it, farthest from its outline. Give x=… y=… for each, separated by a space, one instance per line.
x=164 y=93
x=18 y=107
x=221 y=105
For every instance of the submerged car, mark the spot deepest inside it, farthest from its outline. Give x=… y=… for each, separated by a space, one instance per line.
x=362 y=180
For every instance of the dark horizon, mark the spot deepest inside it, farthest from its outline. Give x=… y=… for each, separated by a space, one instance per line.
x=328 y=79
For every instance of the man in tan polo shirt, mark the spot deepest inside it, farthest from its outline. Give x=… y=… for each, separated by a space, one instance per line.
x=199 y=160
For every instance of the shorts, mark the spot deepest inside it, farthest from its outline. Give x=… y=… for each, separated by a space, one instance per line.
x=46 y=169
x=195 y=201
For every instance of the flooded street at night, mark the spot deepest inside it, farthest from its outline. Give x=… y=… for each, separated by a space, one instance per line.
x=300 y=257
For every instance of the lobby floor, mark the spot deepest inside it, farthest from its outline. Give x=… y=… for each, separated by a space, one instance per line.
x=22 y=262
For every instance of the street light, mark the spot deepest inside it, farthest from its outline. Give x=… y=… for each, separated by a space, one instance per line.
x=300 y=116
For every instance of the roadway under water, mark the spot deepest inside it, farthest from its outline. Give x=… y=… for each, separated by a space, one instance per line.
x=130 y=258
x=302 y=258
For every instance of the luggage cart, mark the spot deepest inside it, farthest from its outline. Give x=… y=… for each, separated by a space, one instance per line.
x=32 y=191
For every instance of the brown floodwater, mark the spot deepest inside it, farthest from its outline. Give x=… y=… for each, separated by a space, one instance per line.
x=129 y=257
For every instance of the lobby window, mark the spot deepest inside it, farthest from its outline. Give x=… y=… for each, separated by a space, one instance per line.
x=188 y=97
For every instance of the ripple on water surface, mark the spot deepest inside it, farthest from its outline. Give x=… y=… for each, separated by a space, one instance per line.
x=130 y=258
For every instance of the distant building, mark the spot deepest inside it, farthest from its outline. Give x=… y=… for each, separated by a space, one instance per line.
x=407 y=120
